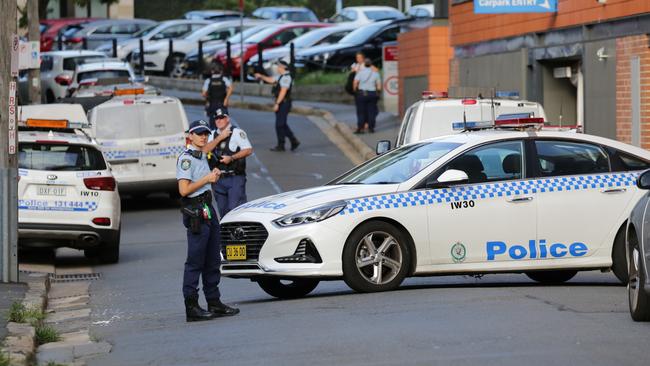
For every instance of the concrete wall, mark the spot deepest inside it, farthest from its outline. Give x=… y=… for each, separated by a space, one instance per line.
x=506 y=71
x=600 y=89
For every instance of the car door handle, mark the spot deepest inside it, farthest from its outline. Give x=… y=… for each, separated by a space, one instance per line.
x=152 y=143
x=519 y=199
x=613 y=190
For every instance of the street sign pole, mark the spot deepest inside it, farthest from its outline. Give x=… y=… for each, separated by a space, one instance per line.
x=9 y=48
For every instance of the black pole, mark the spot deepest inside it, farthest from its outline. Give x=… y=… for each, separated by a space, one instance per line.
x=199 y=71
x=228 y=59
x=84 y=43
x=59 y=42
x=292 y=60
x=171 y=47
x=114 y=47
x=260 y=59
x=141 y=57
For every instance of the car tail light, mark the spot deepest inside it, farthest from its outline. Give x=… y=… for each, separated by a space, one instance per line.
x=74 y=40
x=63 y=79
x=100 y=184
x=469 y=101
x=102 y=221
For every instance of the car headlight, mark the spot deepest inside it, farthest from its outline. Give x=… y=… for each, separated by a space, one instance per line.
x=326 y=55
x=312 y=215
x=316 y=58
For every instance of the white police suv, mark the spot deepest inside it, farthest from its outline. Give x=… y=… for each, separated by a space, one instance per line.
x=67 y=195
x=544 y=203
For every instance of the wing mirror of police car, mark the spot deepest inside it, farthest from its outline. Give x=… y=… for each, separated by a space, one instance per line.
x=140 y=79
x=451 y=176
x=383 y=147
x=643 y=181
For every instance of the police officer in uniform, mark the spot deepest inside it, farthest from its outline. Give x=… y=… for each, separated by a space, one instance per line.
x=282 y=85
x=216 y=90
x=203 y=243
x=229 y=147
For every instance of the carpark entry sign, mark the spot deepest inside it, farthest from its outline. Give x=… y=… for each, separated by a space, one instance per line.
x=514 y=6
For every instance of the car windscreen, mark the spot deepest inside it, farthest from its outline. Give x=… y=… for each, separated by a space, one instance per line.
x=103 y=74
x=248 y=32
x=382 y=14
x=296 y=16
x=398 y=165
x=261 y=36
x=362 y=34
x=59 y=157
x=145 y=31
x=117 y=123
x=310 y=38
x=70 y=63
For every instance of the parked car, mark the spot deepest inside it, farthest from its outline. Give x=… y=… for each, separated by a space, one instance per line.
x=369 y=39
x=637 y=250
x=422 y=11
x=51 y=29
x=212 y=14
x=286 y=13
x=156 y=53
x=190 y=64
x=361 y=15
x=92 y=73
x=67 y=195
x=99 y=32
x=173 y=29
x=141 y=136
x=57 y=69
x=316 y=37
x=268 y=38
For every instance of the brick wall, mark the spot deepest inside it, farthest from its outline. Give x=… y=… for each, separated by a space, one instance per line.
x=467 y=27
x=425 y=52
x=626 y=48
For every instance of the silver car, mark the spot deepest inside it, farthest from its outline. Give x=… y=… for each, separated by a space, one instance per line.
x=638 y=254
x=100 y=32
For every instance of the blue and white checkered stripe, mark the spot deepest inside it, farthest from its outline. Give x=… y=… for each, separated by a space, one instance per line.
x=491 y=190
x=129 y=154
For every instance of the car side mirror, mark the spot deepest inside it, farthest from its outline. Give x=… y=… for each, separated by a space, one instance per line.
x=452 y=176
x=643 y=181
x=383 y=147
x=140 y=79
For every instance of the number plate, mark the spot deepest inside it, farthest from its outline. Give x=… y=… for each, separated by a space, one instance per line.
x=52 y=191
x=236 y=252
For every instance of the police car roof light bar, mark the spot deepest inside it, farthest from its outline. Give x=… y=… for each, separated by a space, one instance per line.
x=128 y=91
x=519 y=122
x=507 y=94
x=469 y=101
x=471 y=125
x=53 y=124
x=429 y=94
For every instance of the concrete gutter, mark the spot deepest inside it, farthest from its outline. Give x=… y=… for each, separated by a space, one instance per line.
x=20 y=343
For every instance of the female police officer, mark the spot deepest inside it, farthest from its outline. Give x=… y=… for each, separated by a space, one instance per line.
x=200 y=219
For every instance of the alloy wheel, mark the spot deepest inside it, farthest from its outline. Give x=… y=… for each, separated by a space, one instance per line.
x=378 y=257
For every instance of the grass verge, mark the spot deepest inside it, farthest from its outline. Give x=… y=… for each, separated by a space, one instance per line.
x=18 y=313
x=4 y=359
x=46 y=334
x=322 y=78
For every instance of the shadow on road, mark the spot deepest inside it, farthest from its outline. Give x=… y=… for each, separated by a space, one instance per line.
x=132 y=203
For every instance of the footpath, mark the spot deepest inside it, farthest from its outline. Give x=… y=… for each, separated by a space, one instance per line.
x=337 y=120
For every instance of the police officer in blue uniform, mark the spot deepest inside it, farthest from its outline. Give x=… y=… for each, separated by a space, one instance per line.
x=216 y=90
x=229 y=147
x=203 y=243
x=282 y=85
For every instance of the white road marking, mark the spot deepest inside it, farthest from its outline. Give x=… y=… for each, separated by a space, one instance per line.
x=267 y=176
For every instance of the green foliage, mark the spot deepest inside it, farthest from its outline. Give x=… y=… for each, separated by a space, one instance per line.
x=46 y=334
x=322 y=78
x=17 y=312
x=52 y=363
x=4 y=359
x=33 y=316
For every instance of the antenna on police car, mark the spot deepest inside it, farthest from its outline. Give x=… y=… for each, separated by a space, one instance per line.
x=492 y=103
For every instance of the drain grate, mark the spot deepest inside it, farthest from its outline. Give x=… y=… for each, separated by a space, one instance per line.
x=73 y=277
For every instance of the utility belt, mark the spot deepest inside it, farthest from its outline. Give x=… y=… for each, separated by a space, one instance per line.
x=366 y=93
x=198 y=209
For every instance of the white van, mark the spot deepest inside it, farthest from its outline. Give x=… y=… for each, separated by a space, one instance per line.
x=141 y=138
x=436 y=117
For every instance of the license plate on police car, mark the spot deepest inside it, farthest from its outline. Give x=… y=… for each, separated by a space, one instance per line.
x=51 y=191
x=235 y=252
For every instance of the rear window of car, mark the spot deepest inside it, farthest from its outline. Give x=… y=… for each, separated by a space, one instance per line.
x=59 y=157
x=103 y=74
x=382 y=14
x=70 y=63
x=116 y=123
x=161 y=120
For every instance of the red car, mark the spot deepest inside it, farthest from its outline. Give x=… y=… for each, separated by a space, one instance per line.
x=51 y=28
x=271 y=37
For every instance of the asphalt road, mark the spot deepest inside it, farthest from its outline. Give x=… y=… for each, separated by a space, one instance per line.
x=455 y=320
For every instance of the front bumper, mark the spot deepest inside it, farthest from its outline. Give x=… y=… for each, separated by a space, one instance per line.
x=32 y=235
x=284 y=242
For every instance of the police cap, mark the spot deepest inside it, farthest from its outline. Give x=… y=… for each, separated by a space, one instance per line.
x=199 y=126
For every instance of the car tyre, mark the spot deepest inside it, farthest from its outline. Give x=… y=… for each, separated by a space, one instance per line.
x=619 y=260
x=49 y=97
x=639 y=299
x=550 y=277
x=294 y=289
x=376 y=257
x=174 y=66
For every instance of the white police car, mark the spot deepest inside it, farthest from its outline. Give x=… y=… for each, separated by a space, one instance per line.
x=67 y=195
x=544 y=203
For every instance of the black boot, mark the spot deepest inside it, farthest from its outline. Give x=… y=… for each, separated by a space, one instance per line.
x=294 y=144
x=217 y=308
x=277 y=148
x=193 y=312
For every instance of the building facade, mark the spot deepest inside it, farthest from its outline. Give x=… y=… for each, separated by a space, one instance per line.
x=588 y=63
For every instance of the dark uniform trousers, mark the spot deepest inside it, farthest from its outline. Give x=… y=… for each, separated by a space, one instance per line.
x=230 y=192
x=281 y=127
x=366 y=108
x=203 y=258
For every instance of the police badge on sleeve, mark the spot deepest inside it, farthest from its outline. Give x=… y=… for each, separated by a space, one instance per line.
x=186 y=164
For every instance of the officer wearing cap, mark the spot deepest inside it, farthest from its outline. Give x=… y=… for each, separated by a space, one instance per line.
x=282 y=85
x=216 y=90
x=199 y=218
x=229 y=146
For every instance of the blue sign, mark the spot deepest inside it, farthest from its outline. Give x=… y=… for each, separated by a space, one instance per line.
x=514 y=6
